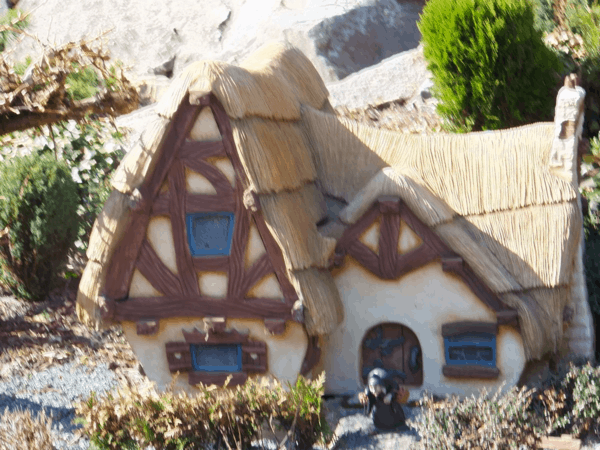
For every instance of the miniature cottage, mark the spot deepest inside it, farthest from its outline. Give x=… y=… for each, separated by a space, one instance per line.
x=252 y=232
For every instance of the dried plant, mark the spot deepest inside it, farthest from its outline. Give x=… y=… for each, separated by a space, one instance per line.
x=43 y=93
x=20 y=430
x=229 y=417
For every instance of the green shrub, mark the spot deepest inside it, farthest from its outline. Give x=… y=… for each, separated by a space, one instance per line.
x=490 y=66
x=234 y=417
x=83 y=82
x=91 y=150
x=584 y=20
x=38 y=214
x=10 y=24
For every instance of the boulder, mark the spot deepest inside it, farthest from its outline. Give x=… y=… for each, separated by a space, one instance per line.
x=154 y=37
x=401 y=77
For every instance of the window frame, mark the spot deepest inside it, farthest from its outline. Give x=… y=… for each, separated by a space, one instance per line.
x=470 y=368
x=196 y=252
x=232 y=369
x=449 y=344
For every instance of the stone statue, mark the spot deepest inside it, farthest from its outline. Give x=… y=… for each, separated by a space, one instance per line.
x=381 y=399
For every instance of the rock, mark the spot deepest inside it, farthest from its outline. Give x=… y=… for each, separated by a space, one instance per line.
x=340 y=37
x=401 y=77
x=367 y=35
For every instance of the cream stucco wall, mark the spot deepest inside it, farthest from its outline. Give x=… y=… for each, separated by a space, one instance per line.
x=255 y=248
x=370 y=237
x=285 y=352
x=408 y=239
x=205 y=128
x=422 y=300
x=213 y=284
x=160 y=235
x=225 y=166
x=267 y=287
x=198 y=184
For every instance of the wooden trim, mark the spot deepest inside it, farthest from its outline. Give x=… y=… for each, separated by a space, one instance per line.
x=452 y=264
x=481 y=290
x=122 y=263
x=425 y=233
x=224 y=126
x=389 y=233
x=470 y=371
x=312 y=356
x=179 y=356
x=275 y=326
x=192 y=150
x=212 y=174
x=261 y=268
x=195 y=203
x=389 y=205
x=211 y=263
x=254 y=357
x=508 y=317
x=274 y=252
x=455 y=328
x=227 y=337
x=147 y=327
x=217 y=378
x=140 y=308
x=414 y=259
x=564 y=442
x=155 y=271
x=365 y=256
x=185 y=264
x=239 y=241
x=352 y=233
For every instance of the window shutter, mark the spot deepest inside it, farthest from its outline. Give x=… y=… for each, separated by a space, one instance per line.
x=254 y=357
x=179 y=356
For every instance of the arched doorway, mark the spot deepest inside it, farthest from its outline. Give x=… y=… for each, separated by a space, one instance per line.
x=393 y=347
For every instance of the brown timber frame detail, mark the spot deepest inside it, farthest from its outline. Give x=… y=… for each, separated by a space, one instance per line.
x=181 y=292
x=312 y=356
x=122 y=263
x=389 y=264
x=470 y=371
x=254 y=356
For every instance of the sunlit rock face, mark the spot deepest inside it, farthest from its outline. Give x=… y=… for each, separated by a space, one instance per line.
x=154 y=37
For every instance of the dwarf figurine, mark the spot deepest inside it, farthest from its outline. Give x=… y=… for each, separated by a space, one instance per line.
x=382 y=398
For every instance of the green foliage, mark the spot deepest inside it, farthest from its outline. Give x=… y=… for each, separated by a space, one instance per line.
x=490 y=66
x=582 y=387
x=544 y=15
x=83 y=82
x=132 y=419
x=39 y=215
x=10 y=24
x=584 y=19
x=91 y=151
x=568 y=402
x=22 y=66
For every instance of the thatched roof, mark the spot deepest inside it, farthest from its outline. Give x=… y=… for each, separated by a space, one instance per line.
x=489 y=196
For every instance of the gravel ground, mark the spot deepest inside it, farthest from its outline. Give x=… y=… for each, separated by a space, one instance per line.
x=58 y=388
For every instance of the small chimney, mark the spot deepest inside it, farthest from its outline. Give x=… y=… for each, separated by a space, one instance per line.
x=568 y=123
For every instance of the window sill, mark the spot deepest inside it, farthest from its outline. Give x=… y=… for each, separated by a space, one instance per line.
x=217 y=378
x=470 y=371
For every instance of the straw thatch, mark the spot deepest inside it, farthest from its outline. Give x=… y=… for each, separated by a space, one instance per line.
x=282 y=144
x=489 y=196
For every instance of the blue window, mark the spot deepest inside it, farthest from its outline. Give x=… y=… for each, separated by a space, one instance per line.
x=473 y=348
x=209 y=234
x=217 y=357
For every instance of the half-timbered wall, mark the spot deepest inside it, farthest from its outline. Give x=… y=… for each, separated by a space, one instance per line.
x=392 y=270
x=175 y=285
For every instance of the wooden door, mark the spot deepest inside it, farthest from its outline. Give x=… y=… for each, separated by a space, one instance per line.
x=393 y=347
